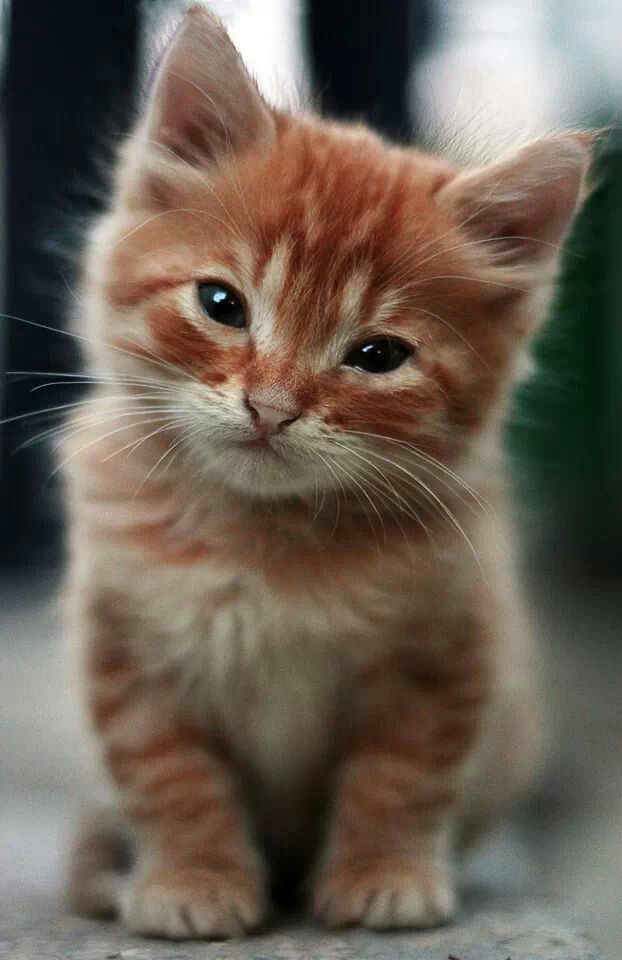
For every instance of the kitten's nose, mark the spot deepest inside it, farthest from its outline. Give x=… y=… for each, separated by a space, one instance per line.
x=270 y=420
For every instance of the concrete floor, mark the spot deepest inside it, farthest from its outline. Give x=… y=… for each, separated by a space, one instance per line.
x=569 y=845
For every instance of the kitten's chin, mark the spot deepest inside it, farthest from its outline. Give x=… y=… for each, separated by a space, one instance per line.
x=260 y=473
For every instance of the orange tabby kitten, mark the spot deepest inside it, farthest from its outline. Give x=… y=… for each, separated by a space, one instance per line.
x=300 y=640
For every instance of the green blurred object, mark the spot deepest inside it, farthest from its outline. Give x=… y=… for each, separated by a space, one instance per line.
x=564 y=432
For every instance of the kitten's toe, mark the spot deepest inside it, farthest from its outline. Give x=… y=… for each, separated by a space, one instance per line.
x=197 y=902
x=385 y=894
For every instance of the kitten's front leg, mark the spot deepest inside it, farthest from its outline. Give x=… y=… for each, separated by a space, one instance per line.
x=197 y=872
x=387 y=861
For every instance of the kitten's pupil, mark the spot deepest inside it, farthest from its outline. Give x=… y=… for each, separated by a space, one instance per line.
x=378 y=356
x=221 y=304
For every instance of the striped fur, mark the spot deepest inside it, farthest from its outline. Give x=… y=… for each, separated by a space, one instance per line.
x=310 y=651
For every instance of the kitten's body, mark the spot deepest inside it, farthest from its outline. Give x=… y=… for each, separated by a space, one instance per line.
x=312 y=641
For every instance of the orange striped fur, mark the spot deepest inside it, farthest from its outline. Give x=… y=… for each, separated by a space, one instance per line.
x=306 y=645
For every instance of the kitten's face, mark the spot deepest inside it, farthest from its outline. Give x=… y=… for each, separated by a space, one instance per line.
x=313 y=298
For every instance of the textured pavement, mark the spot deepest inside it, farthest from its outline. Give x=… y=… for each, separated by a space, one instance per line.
x=485 y=932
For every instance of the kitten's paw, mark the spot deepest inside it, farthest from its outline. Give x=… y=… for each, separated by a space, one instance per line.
x=383 y=894
x=194 y=902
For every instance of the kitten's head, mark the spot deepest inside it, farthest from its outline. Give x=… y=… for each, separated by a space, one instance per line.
x=313 y=300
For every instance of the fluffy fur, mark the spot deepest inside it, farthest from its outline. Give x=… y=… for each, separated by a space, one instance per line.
x=306 y=652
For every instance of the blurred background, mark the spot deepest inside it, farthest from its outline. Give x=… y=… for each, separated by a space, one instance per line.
x=449 y=74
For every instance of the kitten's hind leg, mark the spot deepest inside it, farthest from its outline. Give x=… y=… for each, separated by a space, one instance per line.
x=509 y=762
x=100 y=859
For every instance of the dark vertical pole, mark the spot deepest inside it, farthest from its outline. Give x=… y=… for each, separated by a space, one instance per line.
x=69 y=84
x=361 y=53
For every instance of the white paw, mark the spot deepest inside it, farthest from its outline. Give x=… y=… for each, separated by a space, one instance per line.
x=179 y=904
x=385 y=895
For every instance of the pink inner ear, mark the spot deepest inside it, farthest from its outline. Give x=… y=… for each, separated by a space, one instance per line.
x=525 y=204
x=203 y=103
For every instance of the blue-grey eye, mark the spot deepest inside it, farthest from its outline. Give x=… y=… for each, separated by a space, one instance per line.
x=380 y=355
x=222 y=304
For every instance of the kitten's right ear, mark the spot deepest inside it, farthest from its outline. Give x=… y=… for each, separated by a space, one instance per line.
x=203 y=104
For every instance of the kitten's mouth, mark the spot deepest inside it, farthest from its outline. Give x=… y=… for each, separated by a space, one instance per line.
x=261 y=444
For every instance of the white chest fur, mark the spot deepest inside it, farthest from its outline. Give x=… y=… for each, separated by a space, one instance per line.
x=267 y=670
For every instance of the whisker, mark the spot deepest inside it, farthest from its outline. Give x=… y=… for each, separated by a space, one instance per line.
x=449 y=276
x=434 y=498
x=485 y=204
x=99 y=343
x=484 y=240
x=94 y=420
x=395 y=497
x=133 y=445
x=88 y=421
x=91 y=443
x=86 y=375
x=319 y=505
x=186 y=434
x=457 y=332
x=156 y=358
x=454 y=229
x=441 y=504
x=196 y=173
x=167 y=213
x=409 y=510
x=164 y=387
x=70 y=406
x=70 y=289
x=327 y=464
x=340 y=466
x=432 y=461
x=452 y=490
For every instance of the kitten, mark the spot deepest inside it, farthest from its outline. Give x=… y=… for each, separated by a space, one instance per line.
x=300 y=636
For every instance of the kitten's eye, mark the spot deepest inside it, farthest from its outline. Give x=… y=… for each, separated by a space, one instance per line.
x=221 y=304
x=378 y=356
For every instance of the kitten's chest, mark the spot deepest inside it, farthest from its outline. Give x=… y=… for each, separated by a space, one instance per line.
x=267 y=652
x=268 y=671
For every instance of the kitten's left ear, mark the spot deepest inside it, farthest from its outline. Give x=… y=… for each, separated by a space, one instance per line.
x=203 y=105
x=518 y=211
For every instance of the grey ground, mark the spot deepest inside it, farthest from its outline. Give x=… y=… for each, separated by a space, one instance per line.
x=568 y=848
x=489 y=933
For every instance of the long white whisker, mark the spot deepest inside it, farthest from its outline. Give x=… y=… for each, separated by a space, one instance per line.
x=186 y=434
x=155 y=358
x=457 y=332
x=91 y=443
x=393 y=496
x=197 y=174
x=71 y=429
x=484 y=240
x=135 y=444
x=376 y=469
x=100 y=343
x=456 y=493
x=327 y=464
x=451 y=276
x=353 y=479
x=77 y=403
x=432 y=461
x=441 y=504
x=86 y=375
x=102 y=382
x=432 y=496
x=167 y=213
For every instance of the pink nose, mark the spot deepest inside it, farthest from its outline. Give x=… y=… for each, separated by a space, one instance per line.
x=270 y=420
